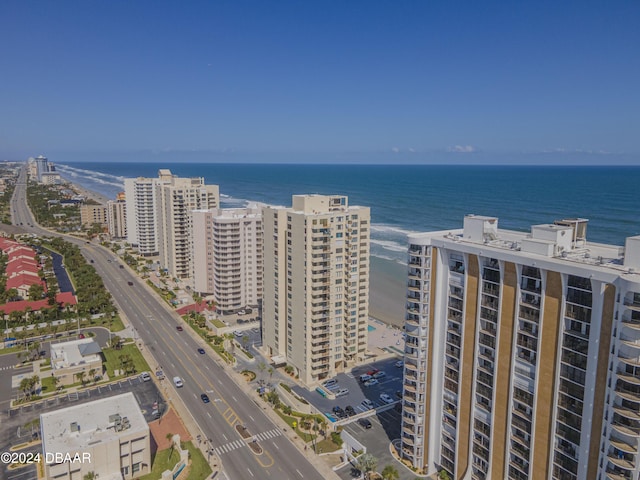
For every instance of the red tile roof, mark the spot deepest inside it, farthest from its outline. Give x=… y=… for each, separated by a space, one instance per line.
x=195 y=307
x=62 y=299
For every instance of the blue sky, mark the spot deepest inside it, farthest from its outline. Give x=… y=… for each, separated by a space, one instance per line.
x=380 y=81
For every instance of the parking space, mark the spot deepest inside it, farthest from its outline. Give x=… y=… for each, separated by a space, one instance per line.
x=20 y=424
x=389 y=383
x=385 y=427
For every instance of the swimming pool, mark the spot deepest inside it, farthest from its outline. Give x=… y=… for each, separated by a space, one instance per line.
x=370 y=328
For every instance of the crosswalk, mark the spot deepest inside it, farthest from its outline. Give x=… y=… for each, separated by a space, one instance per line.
x=10 y=367
x=261 y=437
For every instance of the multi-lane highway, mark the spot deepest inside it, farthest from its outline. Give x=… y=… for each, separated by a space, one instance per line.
x=155 y=326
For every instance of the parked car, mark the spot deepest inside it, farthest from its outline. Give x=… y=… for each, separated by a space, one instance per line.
x=205 y=398
x=365 y=378
x=373 y=372
x=365 y=423
x=399 y=364
x=238 y=333
x=145 y=376
x=367 y=404
x=386 y=398
x=399 y=393
x=177 y=381
x=349 y=410
x=371 y=383
x=379 y=375
x=329 y=383
x=339 y=412
x=342 y=392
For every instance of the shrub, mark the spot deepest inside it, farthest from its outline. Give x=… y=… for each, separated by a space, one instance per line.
x=336 y=438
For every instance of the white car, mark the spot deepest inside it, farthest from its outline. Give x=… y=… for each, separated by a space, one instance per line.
x=145 y=376
x=386 y=398
x=342 y=392
x=177 y=381
x=367 y=404
x=379 y=375
x=238 y=333
x=399 y=364
x=371 y=383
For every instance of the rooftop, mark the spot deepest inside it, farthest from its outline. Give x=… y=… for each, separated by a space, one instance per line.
x=75 y=352
x=563 y=240
x=73 y=429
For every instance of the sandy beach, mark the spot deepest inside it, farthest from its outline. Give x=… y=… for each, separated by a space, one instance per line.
x=387 y=291
x=98 y=197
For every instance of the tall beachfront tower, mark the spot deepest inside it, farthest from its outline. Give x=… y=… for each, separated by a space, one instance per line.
x=522 y=356
x=227 y=256
x=176 y=198
x=158 y=216
x=316 y=284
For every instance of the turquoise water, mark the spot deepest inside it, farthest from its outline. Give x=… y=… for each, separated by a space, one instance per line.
x=409 y=198
x=370 y=328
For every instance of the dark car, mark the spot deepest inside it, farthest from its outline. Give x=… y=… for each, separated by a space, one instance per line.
x=121 y=266
x=201 y=351
x=365 y=423
x=399 y=393
x=91 y=260
x=205 y=398
x=130 y=284
x=349 y=410
x=339 y=412
x=179 y=328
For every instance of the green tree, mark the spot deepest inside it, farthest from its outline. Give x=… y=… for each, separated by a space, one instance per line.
x=36 y=291
x=366 y=463
x=390 y=473
x=90 y=476
x=443 y=475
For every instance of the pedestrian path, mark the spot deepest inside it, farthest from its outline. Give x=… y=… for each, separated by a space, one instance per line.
x=231 y=446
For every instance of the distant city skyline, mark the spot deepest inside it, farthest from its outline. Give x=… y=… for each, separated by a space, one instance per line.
x=362 y=82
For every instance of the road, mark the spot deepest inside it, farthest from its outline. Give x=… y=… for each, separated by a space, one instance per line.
x=155 y=325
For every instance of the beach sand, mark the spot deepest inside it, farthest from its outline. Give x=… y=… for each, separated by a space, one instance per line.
x=98 y=197
x=387 y=291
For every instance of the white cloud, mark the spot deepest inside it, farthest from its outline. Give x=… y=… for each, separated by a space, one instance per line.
x=462 y=149
x=412 y=150
x=395 y=150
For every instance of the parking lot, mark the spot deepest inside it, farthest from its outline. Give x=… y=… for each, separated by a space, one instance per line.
x=358 y=392
x=19 y=424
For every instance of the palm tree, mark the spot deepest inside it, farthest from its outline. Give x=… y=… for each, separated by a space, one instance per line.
x=169 y=436
x=92 y=375
x=270 y=371
x=89 y=476
x=262 y=367
x=390 y=473
x=366 y=463
x=24 y=386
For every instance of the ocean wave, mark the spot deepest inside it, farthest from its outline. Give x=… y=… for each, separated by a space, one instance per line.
x=90 y=173
x=389 y=245
x=385 y=228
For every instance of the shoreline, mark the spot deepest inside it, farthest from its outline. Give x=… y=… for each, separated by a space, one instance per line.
x=387 y=280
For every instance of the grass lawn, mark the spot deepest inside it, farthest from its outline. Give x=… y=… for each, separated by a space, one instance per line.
x=218 y=323
x=326 y=446
x=290 y=419
x=48 y=385
x=117 y=324
x=162 y=462
x=199 y=466
x=113 y=361
x=200 y=469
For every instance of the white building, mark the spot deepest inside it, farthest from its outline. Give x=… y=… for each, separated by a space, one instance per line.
x=75 y=356
x=227 y=256
x=522 y=356
x=109 y=437
x=141 y=219
x=176 y=198
x=316 y=284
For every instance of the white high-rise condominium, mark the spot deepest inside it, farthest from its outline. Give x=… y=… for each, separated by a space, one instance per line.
x=227 y=256
x=522 y=356
x=316 y=284
x=117 y=217
x=158 y=216
x=176 y=198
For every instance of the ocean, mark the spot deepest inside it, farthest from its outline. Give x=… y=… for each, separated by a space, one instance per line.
x=414 y=198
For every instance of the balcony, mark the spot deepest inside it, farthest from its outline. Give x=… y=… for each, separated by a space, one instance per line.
x=621 y=445
x=622 y=460
x=626 y=429
x=614 y=473
x=629 y=378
